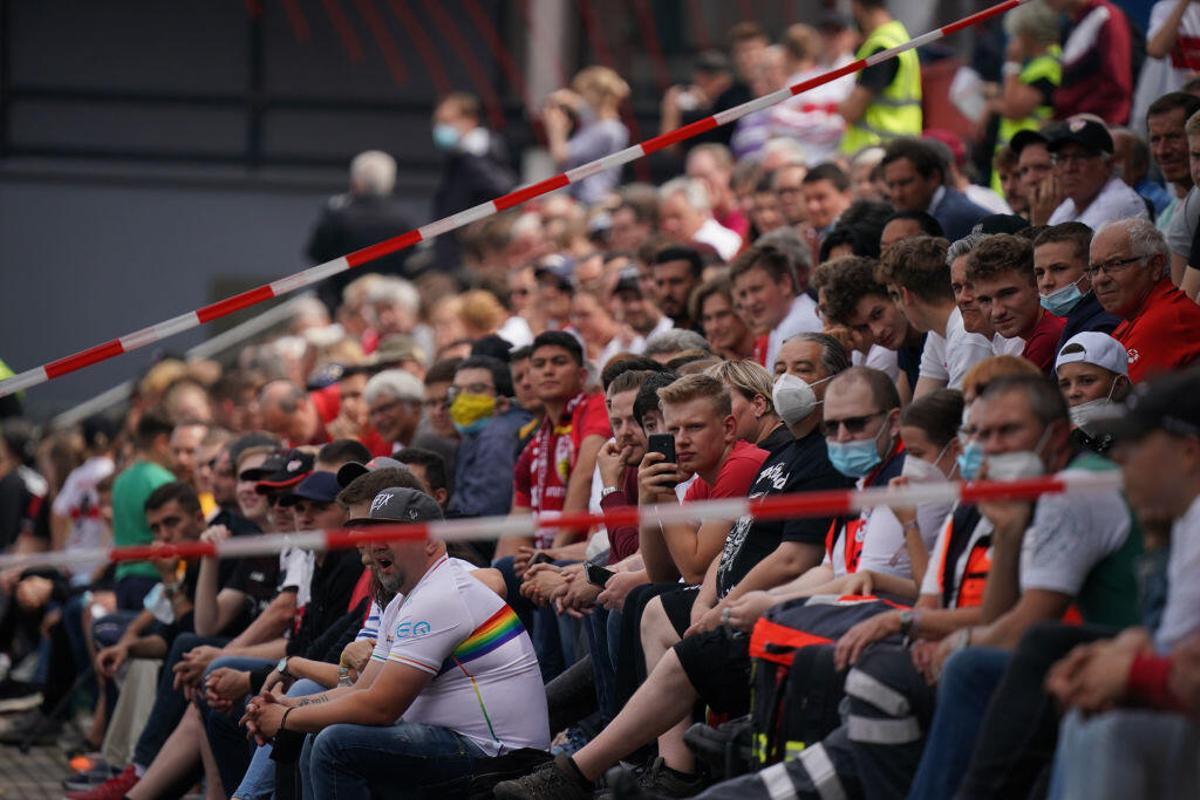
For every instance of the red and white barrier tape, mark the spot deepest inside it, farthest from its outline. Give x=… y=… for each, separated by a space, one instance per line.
x=308 y=277
x=801 y=504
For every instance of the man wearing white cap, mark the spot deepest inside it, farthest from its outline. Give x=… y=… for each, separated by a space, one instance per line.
x=1093 y=372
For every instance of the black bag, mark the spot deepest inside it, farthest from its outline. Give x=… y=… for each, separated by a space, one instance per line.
x=796 y=689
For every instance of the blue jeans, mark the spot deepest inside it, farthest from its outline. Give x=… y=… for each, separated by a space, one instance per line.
x=258 y=783
x=540 y=621
x=345 y=761
x=968 y=680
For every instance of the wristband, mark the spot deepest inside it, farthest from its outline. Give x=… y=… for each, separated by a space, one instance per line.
x=1010 y=68
x=283 y=722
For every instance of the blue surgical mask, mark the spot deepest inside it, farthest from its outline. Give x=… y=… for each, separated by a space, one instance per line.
x=472 y=428
x=1060 y=302
x=855 y=459
x=445 y=136
x=970 y=461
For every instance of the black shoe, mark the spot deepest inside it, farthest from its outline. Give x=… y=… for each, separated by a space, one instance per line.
x=726 y=750
x=662 y=781
x=557 y=780
x=19 y=696
x=35 y=728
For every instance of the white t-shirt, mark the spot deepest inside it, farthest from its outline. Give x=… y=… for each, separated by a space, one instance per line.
x=810 y=118
x=1182 y=614
x=883 y=546
x=79 y=501
x=724 y=241
x=296 y=567
x=1069 y=535
x=802 y=318
x=1162 y=75
x=879 y=358
x=949 y=358
x=1004 y=346
x=986 y=198
x=370 y=628
x=1115 y=201
x=486 y=684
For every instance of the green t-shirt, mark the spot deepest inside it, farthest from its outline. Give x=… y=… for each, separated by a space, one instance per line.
x=129 y=493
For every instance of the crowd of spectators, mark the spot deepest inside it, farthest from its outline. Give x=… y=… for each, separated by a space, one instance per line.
x=826 y=298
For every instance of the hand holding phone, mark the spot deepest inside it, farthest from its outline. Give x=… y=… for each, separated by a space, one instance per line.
x=596 y=574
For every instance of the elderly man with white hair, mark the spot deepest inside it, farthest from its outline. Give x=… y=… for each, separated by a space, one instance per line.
x=685 y=215
x=1081 y=149
x=394 y=399
x=1160 y=325
x=363 y=216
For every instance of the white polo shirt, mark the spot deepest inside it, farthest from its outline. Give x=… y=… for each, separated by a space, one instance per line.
x=1115 y=201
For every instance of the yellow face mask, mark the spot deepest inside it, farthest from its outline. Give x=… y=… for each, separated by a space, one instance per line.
x=471 y=412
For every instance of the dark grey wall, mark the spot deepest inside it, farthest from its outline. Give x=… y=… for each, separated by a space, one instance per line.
x=83 y=262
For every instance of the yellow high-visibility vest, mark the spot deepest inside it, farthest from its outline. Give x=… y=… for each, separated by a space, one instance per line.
x=896 y=111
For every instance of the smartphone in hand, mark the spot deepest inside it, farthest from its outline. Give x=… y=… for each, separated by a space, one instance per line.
x=596 y=574
x=662 y=443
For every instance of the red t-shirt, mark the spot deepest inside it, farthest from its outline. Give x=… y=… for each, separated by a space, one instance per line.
x=760 y=351
x=734 y=477
x=545 y=465
x=1042 y=345
x=1165 y=334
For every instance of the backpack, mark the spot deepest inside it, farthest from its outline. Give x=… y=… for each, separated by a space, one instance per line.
x=796 y=687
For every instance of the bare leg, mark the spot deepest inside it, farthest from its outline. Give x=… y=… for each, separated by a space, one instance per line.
x=658 y=637
x=177 y=756
x=214 y=788
x=666 y=696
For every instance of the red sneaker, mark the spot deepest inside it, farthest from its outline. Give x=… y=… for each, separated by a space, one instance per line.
x=114 y=788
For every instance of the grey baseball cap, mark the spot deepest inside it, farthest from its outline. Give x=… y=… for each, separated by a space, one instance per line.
x=400 y=504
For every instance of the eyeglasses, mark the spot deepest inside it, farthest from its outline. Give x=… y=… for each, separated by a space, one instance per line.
x=853 y=425
x=473 y=388
x=1110 y=267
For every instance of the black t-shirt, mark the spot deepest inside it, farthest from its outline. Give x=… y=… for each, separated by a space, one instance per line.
x=333 y=583
x=799 y=465
x=258 y=579
x=908 y=359
x=880 y=76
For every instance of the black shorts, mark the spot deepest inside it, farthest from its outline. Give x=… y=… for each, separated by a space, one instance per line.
x=717 y=664
x=678 y=605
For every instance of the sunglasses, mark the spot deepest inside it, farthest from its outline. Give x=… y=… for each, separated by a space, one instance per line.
x=853 y=425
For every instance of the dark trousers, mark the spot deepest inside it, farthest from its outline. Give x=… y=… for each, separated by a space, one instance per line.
x=169 y=703
x=1020 y=727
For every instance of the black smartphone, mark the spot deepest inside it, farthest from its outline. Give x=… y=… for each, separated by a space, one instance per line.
x=540 y=558
x=596 y=574
x=662 y=443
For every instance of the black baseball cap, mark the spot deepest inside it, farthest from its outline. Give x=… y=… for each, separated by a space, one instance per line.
x=1000 y=223
x=1167 y=403
x=1086 y=133
x=400 y=504
x=628 y=280
x=281 y=470
x=319 y=487
x=351 y=470
x=1022 y=139
x=558 y=267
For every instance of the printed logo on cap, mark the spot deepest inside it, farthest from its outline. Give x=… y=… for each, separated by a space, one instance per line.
x=294 y=465
x=380 y=501
x=1076 y=125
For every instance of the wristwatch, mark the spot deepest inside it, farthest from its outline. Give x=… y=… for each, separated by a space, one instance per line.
x=908 y=621
x=282 y=669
